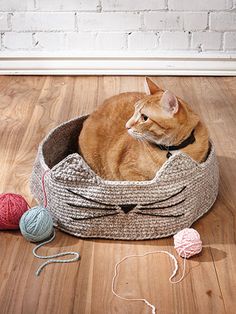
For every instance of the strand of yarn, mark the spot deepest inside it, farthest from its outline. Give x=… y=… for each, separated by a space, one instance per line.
x=44 y=189
x=37 y=225
x=142 y=255
x=52 y=257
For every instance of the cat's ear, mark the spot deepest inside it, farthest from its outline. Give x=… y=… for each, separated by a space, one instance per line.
x=150 y=87
x=169 y=103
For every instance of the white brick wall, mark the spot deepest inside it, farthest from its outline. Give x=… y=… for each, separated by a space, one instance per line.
x=223 y=21
x=206 y=41
x=230 y=41
x=199 y=5
x=133 y=5
x=195 y=21
x=110 y=41
x=19 y=41
x=163 y=21
x=66 y=5
x=174 y=40
x=80 y=41
x=14 y=5
x=4 y=22
x=143 y=40
x=50 y=41
x=154 y=25
x=43 y=21
x=108 y=21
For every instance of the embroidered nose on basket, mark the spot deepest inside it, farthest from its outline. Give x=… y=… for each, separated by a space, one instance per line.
x=127 y=208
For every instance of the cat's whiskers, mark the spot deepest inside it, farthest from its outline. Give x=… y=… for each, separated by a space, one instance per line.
x=135 y=134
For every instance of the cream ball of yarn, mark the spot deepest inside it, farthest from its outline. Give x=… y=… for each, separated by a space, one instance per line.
x=187 y=242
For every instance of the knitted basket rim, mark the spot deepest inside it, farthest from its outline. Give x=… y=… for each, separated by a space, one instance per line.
x=177 y=157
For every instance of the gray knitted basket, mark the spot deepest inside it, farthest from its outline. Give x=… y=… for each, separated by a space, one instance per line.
x=85 y=205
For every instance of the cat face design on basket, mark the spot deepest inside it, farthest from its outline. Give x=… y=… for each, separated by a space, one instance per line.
x=92 y=209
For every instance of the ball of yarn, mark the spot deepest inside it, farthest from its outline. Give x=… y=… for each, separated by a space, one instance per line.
x=36 y=224
x=12 y=207
x=187 y=242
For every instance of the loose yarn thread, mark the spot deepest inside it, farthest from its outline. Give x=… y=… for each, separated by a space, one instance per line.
x=153 y=308
x=45 y=199
x=187 y=243
x=51 y=257
x=37 y=225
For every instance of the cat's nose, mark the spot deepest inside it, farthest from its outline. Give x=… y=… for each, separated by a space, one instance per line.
x=129 y=123
x=127 y=208
x=128 y=126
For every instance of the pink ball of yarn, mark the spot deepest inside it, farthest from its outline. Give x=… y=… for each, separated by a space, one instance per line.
x=187 y=242
x=12 y=207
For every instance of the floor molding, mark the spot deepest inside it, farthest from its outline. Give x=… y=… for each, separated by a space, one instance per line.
x=117 y=63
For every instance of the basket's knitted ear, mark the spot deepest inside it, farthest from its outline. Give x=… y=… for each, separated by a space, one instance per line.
x=179 y=166
x=74 y=169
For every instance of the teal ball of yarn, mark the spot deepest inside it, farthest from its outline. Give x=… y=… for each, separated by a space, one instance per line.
x=36 y=224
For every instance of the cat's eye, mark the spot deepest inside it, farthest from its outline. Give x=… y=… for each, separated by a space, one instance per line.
x=144 y=117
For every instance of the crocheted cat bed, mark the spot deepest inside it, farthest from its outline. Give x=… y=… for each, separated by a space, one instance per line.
x=85 y=205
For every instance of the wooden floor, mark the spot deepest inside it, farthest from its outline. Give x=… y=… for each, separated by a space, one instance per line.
x=29 y=108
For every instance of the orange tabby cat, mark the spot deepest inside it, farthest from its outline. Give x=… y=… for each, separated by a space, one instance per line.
x=128 y=136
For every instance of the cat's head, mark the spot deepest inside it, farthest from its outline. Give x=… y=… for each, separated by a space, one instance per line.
x=161 y=117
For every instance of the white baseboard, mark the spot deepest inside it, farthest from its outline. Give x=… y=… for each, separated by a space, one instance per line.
x=117 y=63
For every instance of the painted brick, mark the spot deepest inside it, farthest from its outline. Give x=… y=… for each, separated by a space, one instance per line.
x=230 y=41
x=199 y=5
x=38 y=21
x=163 y=21
x=220 y=21
x=195 y=21
x=108 y=21
x=50 y=41
x=67 y=5
x=142 y=41
x=3 y=22
x=80 y=41
x=174 y=41
x=110 y=41
x=206 y=41
x=127 y=5
x=15 y=41
x=16 y=5
x=105 y=24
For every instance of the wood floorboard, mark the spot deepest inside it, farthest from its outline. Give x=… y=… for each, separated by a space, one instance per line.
x=32 y=105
